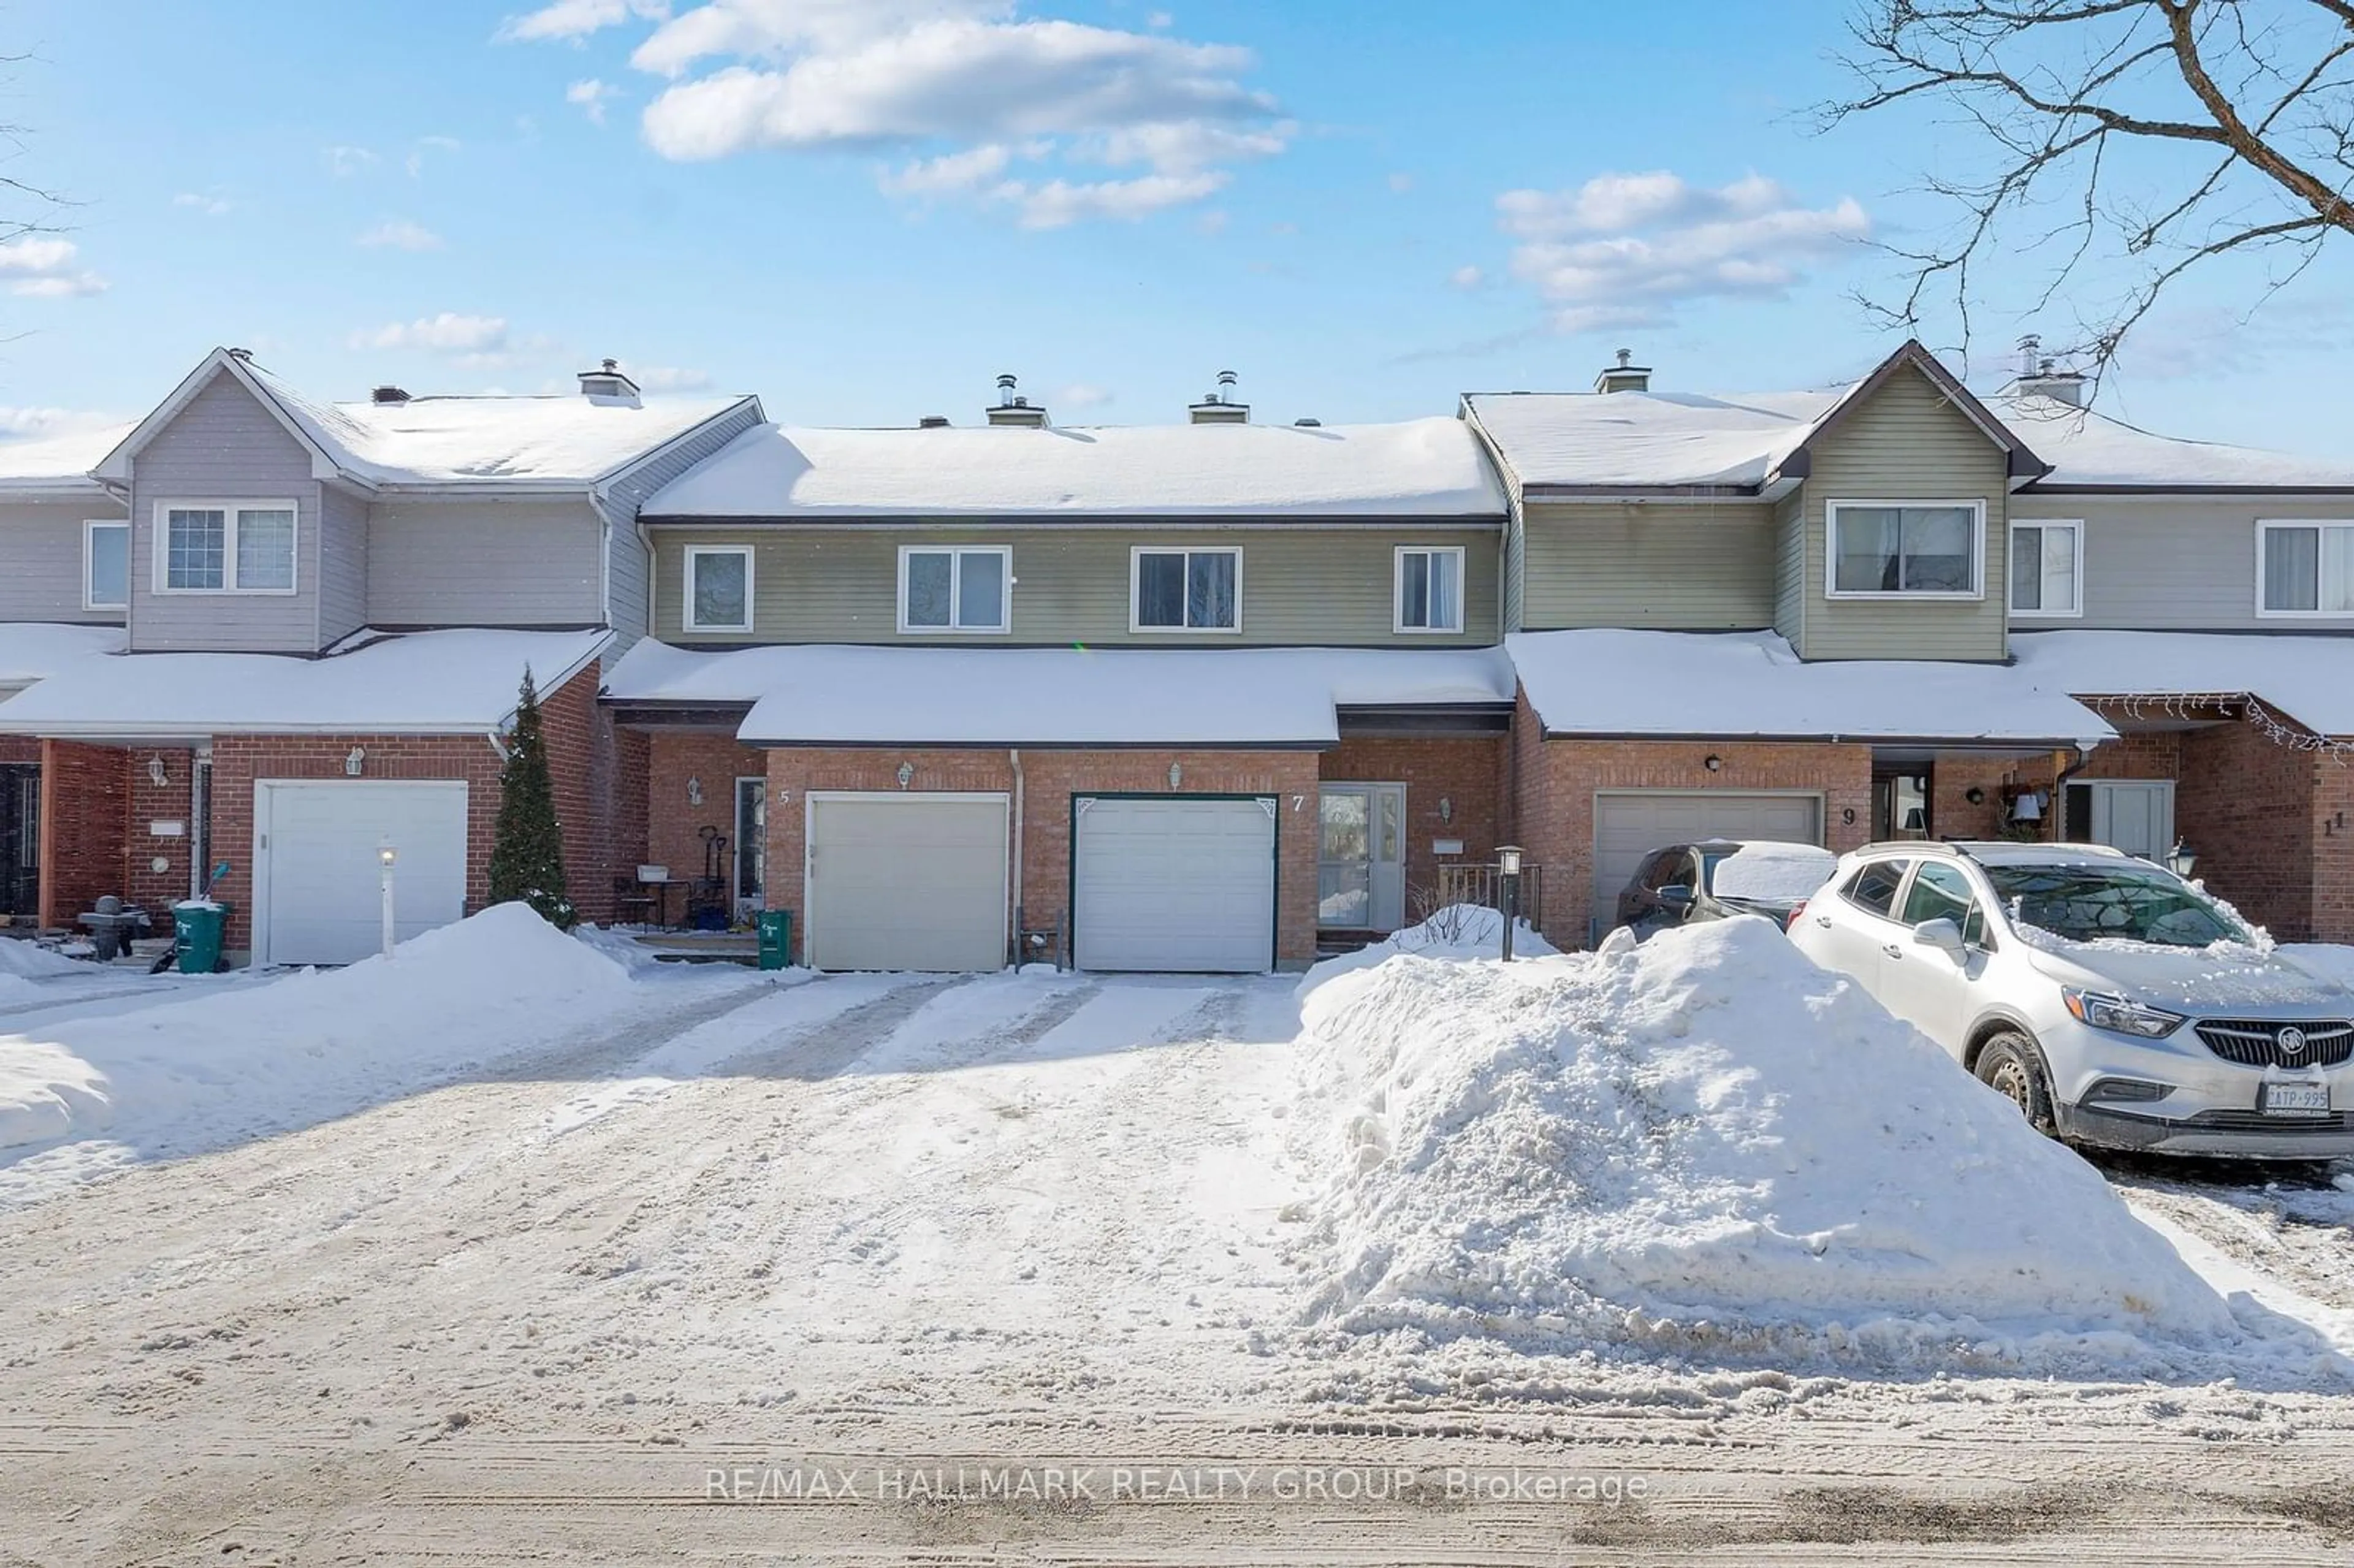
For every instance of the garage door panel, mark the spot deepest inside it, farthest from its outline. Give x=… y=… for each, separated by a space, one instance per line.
x=322 y=887
x=904 y=882
x=1626 y=827
x=1173 y=885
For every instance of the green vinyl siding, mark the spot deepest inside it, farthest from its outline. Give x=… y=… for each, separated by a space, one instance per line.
x=1687 y=567
x=1300 y=586
x=1907 y=442
x=1791 y=568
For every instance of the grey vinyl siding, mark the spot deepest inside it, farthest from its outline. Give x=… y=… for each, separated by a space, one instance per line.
x=343 y=565
x=1791 y=568
x=627 y=608
x=1906 y=443
x=42 y=545
x=1690 y=567
x=224 y=446
x=2175 y=564
x=1071 y=584
x=484 y=563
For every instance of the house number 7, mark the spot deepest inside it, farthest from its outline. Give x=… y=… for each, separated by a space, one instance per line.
x=1297 y=801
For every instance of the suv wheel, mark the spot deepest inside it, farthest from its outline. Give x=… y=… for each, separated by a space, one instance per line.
x=2010 y=1065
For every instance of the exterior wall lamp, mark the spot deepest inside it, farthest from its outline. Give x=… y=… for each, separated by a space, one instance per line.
x=906 y=774
x=695 y=791
x=1176 y=774
x=354 y=760
x=1713 y=763
x=155 y=772
x=2181 y=860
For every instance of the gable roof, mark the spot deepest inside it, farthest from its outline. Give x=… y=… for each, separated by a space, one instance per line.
x=1419 y=468
x=552 y=443
x=1748 y=443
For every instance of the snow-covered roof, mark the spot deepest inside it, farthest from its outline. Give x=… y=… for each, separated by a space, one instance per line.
x=1055 y=696
x=1753 y=684
x=57 y=462
x=421 y=683
x=2087 y=448
x=34 y=650
x=2309 y=679
x=1651 y=439
x=1421 y=468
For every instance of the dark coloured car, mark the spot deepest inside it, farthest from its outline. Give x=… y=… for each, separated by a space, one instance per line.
x=1720 y=878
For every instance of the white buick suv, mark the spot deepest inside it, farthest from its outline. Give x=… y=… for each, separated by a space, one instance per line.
x=2115 y=1002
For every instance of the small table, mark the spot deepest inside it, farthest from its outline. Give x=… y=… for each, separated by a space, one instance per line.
x=661 y=892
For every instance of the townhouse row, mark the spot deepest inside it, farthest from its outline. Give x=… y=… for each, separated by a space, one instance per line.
x=1205 y=696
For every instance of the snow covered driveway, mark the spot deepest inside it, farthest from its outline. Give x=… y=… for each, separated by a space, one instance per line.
x=873 y=1226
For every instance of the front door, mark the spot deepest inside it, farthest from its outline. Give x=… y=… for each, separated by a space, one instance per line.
x=1360 y=857
x=751 y=844
x=20 y=840
x=2135 y=815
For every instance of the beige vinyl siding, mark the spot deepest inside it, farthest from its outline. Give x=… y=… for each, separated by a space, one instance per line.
x=1791 y=568
x=627 y=610
x=1071 y=585
x=44 y=551
x=343 y=565
x=485 y=563
x=1906 y=443
x=2176 y=564
x=1516 y=556
x=1688 y=567
x=224 y=446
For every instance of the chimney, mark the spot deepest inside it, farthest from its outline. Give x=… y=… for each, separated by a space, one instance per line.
x=933 y=422
x=388 y=394
x=1014 y=409
x=1221 y=407
x=608 y=384
x=1624 y=377
x=2039 y=376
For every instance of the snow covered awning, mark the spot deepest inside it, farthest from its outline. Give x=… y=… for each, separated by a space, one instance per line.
x=1752 y=684
x=2308 y=679
x=420 y=683
x=1242 y=697
x=33 y=651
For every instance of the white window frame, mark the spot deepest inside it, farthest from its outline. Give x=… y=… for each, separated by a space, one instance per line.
x=2264 y=526
x=1976 y=591
x=687 y=587
x=88 y=534
x=2075 y=612
x=1136 y=555
x=235 y=511
x=955 y=554
x=1397 y=591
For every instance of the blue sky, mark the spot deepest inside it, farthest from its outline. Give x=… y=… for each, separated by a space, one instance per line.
x=866 y=209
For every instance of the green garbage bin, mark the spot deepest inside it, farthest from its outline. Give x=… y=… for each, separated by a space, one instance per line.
x=197 y=927
x=776 y=938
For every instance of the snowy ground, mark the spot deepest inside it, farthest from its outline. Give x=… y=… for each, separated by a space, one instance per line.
x=1054 y=1230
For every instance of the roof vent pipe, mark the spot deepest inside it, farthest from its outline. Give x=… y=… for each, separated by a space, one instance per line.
x=1221 y=407
x=2039 y=376
x=1013 y=409
x=1624 y=377
x=388 y=394
x=933 y=422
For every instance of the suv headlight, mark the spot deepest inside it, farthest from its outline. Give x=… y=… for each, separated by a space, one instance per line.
x=2115 y=1013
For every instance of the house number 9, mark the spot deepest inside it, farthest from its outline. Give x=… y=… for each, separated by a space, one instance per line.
x=1847 y=816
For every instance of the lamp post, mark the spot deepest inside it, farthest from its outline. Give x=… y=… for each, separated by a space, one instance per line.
x=386 y=854
x=2181 y=860
x=1507 y=872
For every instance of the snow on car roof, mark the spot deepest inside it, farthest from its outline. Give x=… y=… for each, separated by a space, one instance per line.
x=2309 y=679
x=1420 y=467
x=1618 y=682
x=2087 y=448
x=409 y=683
x=1048 y=696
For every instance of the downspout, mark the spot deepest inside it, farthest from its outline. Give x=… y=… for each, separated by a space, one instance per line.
x=1014 y=757
x=2056 y=818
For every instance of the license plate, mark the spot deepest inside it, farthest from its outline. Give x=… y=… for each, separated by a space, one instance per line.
x=2297 y=1099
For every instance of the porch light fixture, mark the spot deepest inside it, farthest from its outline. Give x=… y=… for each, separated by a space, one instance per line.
x=1713 y=763
x=2181 y=860
x=354 y=760
x=695 y=791
x=155 y=773
x=1445 y=808
x=2028 y=808
x=1974 y=795
x=906 y=774
x=1176 y=774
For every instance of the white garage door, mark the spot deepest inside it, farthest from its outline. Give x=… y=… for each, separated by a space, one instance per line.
x=1626 y=827
x=318 y=879
x=1174 y=885
x=906 y=882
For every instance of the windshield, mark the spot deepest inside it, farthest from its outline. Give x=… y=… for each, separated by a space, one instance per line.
x=2131 y=903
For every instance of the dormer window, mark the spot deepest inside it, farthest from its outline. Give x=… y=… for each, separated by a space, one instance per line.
x=225 y=547
x=1910 y=549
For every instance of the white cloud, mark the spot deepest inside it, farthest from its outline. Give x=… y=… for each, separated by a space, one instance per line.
x=344 y=161
x=415 y=162
x=590 y=96
x=1624 y=251
x=42 y=268
x=575 y=19
x=26 y=423
x=401 y=233
x=958 y=93
x=1467 y=277
x=1082 y=394
x=670 y=378
x=210 y=206
x=449 y=333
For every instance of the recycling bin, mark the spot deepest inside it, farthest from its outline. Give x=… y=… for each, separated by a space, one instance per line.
x=197 y=927
x=776 y=927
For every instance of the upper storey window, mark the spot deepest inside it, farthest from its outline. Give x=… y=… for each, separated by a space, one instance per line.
x=1186 y=590
x=2047 y=568
x=225 y=547
x=965 y=589
x=1429 y=590
x=2305 y=569
x=106 y=565
x=1907 y=550
x=718 y=588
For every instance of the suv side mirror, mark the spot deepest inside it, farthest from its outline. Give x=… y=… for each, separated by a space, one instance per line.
x=1944 y=936
x=1676 y=896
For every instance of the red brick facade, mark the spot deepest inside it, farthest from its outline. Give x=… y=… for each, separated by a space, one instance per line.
x=85 y=823
x=712 y=761
x=1454 y=790
x=1050 y=778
